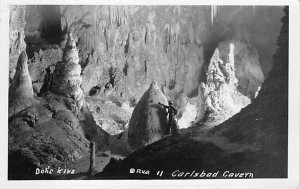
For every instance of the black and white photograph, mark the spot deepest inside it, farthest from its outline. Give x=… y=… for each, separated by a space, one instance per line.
x=150 y=92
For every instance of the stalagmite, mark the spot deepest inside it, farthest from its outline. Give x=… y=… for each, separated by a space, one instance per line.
x=20 y=90
x=148 y=122
x=92 y=158
x=219 y=98
x=257 y=92
x=66 y=76
x=16 y=36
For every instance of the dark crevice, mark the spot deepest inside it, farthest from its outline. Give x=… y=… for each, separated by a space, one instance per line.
x=126 y=48
x=94 y=90
x=106 y=39
x=145 y=62
x=111 y=72
x=145 y=39
x=125 y=69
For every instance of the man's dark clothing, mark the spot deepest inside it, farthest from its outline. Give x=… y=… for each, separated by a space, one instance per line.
x=172 y=124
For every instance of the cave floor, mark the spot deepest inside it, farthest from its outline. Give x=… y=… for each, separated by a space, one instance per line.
x=198 y=133
x=82 y=166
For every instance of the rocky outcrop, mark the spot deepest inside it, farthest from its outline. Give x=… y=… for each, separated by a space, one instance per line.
x=219 y=98
x=16 y=36
x=148 y=122
x=20 y=90
x=66 y=76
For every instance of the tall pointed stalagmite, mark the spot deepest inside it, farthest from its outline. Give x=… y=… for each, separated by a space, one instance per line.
x=66 y=76
x=148 y=122
x=218 y=97
x=20 y=90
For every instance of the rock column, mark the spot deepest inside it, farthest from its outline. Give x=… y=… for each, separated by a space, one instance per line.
x=92 y=158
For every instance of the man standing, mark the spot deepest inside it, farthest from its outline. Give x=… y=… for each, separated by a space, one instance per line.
x=171 y=111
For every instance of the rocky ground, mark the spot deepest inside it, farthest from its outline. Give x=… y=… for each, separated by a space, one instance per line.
x=110 y=116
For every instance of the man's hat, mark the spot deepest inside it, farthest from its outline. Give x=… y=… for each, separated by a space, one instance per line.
x=170 y=102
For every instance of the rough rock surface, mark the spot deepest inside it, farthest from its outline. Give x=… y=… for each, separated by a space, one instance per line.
x=66 y=79
x=111 y=117
x=16 y=36
x=132 y=45
x=20 y=90
x=219 y=98
x=50 y=132
x=39 y=137
x=148 y=122
x=41 y=67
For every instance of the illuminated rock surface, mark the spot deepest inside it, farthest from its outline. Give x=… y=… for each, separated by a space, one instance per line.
x=219 y=98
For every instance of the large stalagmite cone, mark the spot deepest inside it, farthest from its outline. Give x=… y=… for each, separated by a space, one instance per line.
x=20 y=90
x=148 y=122
x=66 y=76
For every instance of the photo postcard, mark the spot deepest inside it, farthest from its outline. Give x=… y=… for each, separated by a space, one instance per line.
x=181 y=92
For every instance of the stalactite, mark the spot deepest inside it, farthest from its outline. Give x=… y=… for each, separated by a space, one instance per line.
x=253 y=9
x=213 y=12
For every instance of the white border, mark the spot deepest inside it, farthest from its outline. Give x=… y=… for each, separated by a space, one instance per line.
x=294 y=104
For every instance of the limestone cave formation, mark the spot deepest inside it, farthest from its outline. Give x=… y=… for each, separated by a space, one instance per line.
x=82 y=74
